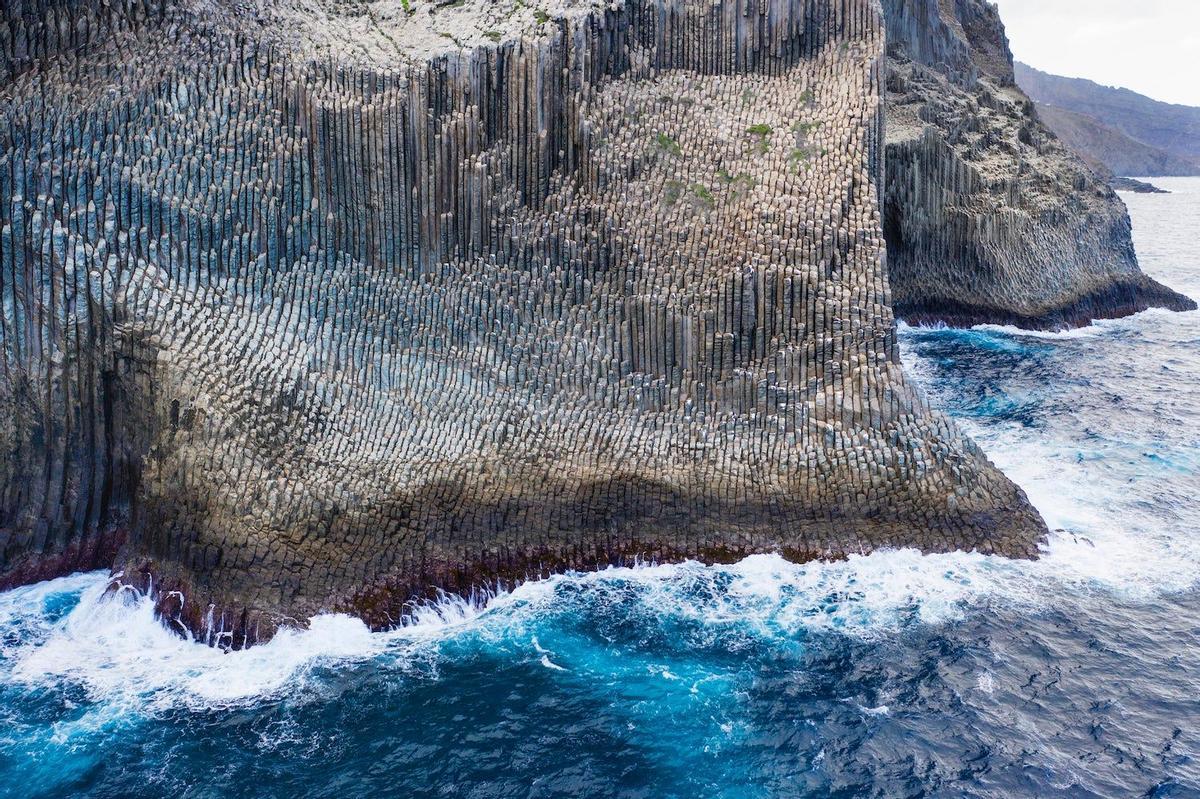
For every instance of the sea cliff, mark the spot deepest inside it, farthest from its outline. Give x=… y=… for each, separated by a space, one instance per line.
x=988 y=216
x=325 y=313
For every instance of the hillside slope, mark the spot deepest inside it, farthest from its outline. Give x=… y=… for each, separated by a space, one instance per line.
x=1175 y=129
x=1109 y=150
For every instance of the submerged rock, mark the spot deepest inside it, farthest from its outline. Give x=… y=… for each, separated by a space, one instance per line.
x=327 y=314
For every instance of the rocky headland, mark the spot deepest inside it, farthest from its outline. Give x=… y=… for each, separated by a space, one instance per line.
x=317 y=307
x=988 y=216
x=1138 y=186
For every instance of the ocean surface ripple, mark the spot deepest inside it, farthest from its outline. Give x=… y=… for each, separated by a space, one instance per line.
x=894 y=674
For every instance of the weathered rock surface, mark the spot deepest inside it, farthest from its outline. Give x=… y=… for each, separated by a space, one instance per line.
x=988 y=217
x=313 y=334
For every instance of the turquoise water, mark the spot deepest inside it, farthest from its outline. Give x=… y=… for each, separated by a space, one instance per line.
x=891 y=675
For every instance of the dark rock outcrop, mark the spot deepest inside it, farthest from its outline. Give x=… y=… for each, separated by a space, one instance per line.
x=313 y=328
x=988 y=217
x=1138 y=186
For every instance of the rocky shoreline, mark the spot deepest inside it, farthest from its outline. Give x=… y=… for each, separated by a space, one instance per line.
x=1115 y=301
x=989 y=218
x=1139 y=186
x=558 y=289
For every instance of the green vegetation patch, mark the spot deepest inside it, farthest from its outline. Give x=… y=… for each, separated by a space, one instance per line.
x=668 y=145
x=671 y=191
x=801 y=155
x=738 y=184
x=761 y=133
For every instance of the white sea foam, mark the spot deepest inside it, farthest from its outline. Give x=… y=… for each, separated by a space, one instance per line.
x=118 y=652
x=1089 y=331
x=25 y=606
x=114 y=648
x=985 y=682
x=1102 y=540
x=1097 y=327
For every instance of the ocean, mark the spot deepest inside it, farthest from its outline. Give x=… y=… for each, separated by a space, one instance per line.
x=888 y=675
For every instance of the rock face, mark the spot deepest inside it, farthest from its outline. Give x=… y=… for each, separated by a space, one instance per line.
x=309 y=332
x=988 y=217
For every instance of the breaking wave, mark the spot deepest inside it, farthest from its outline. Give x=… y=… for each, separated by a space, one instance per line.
x=72 y=630
x=883 y=674
x=1095 y=492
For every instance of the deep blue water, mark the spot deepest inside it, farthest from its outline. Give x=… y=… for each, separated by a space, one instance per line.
x=892 y=675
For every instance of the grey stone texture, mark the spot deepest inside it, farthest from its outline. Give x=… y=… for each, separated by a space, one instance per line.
x=299 y=335
x=988 y=216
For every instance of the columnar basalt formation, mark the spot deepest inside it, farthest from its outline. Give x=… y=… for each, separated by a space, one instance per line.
x=988 y=217
x=312 y=327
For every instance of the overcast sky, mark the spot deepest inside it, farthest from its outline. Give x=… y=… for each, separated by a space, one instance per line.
x=1150 y=46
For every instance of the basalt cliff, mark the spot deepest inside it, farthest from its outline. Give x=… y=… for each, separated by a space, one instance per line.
x=317 y=307
x=988 y=216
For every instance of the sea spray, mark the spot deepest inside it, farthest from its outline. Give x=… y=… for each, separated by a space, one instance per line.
x=1074 y=674
x=114 y=647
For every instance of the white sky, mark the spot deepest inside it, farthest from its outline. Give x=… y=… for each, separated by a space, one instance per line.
x=1150 y=46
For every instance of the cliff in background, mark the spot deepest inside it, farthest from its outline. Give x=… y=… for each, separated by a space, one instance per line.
x=326 y=313
x=987 y=215
x=1171 y=129
x=1108 y=150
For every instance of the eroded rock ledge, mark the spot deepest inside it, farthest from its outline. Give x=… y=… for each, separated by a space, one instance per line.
x=320 y=334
